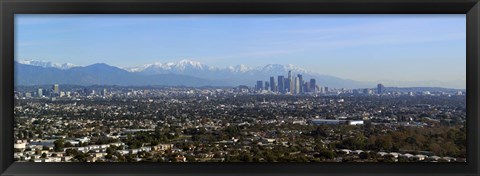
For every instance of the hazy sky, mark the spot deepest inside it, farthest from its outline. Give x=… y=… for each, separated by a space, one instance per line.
x=359 y=47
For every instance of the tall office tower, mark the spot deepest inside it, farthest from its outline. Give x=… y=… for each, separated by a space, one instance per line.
x=287 y=85
x=267 y=85
x=55 y=89
x=306 y=87
x=104 y=92
x=40 y=92
x=85 y=91
x=313 y=85
x=281 y=84
x=292 y=86
x=300 y=80
x=326 y=89
x=272 y=84
x=297 y=86
x=380 y=88
x=259 y=85
x=290 y=82
x=47 y=92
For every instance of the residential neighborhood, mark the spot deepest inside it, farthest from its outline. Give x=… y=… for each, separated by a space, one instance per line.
x=240 y=124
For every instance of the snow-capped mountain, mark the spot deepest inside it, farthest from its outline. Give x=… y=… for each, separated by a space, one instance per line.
x=46 y=64
x=170 y=67
x=277 y=68
x=188 y=66
x=239 y=68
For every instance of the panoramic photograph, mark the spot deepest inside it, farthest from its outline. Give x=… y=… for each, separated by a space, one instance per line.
x=240 y=88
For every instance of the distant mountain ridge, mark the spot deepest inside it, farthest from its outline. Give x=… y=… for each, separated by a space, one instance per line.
x=46 y=64
x=229 y=76
x=183 y=72
x=101 y=74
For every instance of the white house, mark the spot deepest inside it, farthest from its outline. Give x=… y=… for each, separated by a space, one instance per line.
x=407 y=155
x=355 y=122
x=357 y=152
x=382 y=153
x=435 y=158
x=19 y=145
x=420 y=157
x=394 y=154
x=347 y=151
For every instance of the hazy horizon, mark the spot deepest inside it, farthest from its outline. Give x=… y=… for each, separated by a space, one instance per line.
x=389 y=83
x=403 y=48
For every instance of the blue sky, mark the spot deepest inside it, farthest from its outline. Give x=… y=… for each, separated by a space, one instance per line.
x=359 y=47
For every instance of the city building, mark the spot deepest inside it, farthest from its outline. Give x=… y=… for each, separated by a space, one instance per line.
x=297 y=86
x=40 y=92
x=306 y=87
x=380 y=89
x=272 y=84
x=300 y=83
x=104 y=92
x=291 y=82
x=281 y=84
x=367 y=91
x=56 y=89
x=259 y=85
x=287 y=85
x=313 y=85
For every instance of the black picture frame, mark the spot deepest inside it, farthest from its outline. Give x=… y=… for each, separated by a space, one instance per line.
x=8 y=9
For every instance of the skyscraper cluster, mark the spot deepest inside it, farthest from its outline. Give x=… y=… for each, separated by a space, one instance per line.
x=289 y=85
x=53 y=92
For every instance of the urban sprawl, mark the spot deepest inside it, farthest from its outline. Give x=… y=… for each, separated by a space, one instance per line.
x=286 y=119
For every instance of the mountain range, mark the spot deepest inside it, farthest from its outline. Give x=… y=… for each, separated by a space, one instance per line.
x=100 y=74
x=181 y=73
x=47 y=64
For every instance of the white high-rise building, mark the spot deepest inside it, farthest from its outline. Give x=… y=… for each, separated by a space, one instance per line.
x=297 y=85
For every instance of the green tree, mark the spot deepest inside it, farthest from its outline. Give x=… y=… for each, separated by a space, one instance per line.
x=59 y=145
x=328 y=154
